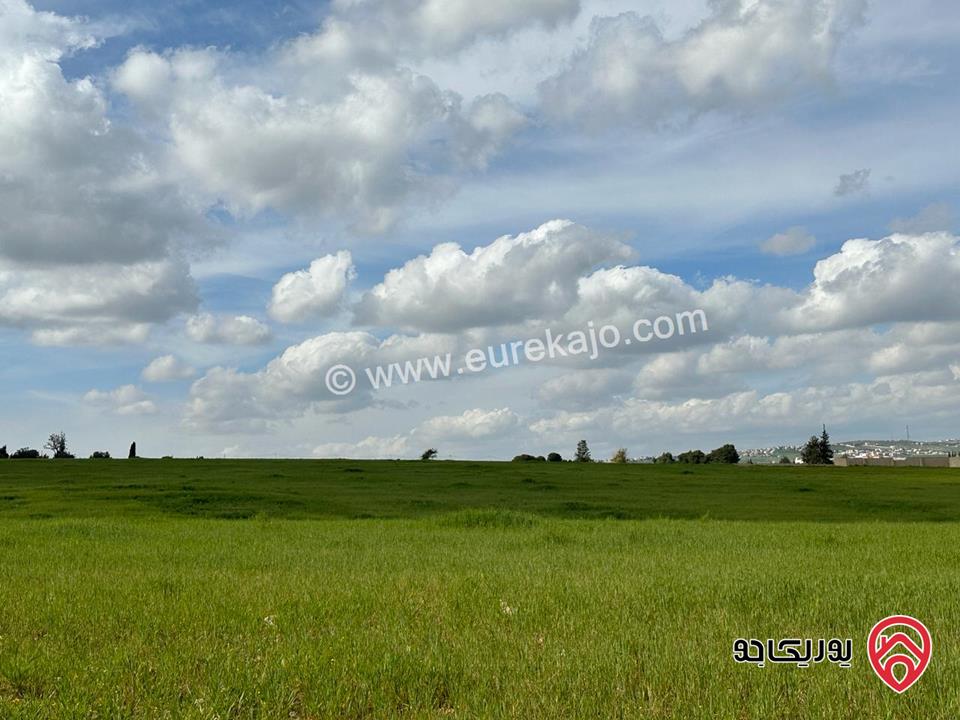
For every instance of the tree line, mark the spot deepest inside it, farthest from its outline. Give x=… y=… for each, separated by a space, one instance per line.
x=56 y=447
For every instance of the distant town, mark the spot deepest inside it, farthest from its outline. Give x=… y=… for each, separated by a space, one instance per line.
x=860 y=449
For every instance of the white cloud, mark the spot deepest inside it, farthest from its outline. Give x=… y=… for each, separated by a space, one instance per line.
x=355 y=143
x=90 y=229
x=369 y=31
x=793 y=241
x=227 y=329
x=470 y=425
x=125 y=400
x=290 y=385
x=829 y=332
x=167 y=368
x=371 y=447
x=896 y=279
x=94 y=304
x=315 y=292
x=515 y=278
x=747 y=53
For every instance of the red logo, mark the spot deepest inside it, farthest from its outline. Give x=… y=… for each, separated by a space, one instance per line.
x=887 y=650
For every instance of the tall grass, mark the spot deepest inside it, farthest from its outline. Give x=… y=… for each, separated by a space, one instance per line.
x=477 y=614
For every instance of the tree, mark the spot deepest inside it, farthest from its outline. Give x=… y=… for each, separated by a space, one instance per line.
x=132 y=455
x=810 y=455
x=25 y=454
x=3 y=453
x=429 y=454
x=725 y=454
x=784 y=460
x=525 y=457
x=620 y=457
x=817 y=451
x=57 y=444
x=692 y=457
x=665 y=459
x=554 y=457
x=826 y=452
x=100 y=455
x=583 y=452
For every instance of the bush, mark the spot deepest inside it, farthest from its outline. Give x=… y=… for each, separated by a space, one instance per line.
x=665 y=459
x=785 y=461
x=524 y=457
x=429 y=454
x=3 y=453
x=692 y=457
x=25 y=454
x=620 y=457
x=100 y=455
x=554 y=457
x=726 y=454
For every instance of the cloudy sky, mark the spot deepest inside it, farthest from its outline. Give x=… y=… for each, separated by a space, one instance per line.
x=204 y=206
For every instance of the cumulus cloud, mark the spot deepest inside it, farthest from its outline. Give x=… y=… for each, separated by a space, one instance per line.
x=98 y=304
x=167 y=368
x=747 y=53
x=372 y=31
x=515 y=278
x=853 y=183
x=793 y=241
x=291 y=384
x=125 y=400
x=90 y=229
x=227 y=329
x=472 y=424
x=915 y=394
x=315 y=292
x=831 y=325
x=371 y=447
x=899 y=278
x=359 y=144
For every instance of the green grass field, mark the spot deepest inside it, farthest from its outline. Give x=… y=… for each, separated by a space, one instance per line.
x=285 y=589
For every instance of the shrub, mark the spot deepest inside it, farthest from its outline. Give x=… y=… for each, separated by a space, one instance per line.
x=429 y=454
x=692 y=457
x=554 y=457
x=665 y=459
x=785 y=461
x=3 y=453
x=524 y=457
x=25 y=454
x=100 y=455
x=620 y=457
x=726 y=454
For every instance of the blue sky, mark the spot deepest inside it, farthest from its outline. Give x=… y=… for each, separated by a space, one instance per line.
x=209 y=204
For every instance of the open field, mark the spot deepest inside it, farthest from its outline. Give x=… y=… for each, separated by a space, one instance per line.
x=279 y=589
x=303 y=489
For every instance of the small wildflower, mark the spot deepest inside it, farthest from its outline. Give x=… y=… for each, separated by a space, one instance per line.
x=270 y=620
x=506 y=609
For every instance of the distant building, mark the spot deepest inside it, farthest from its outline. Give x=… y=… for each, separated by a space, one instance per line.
x=941 y=461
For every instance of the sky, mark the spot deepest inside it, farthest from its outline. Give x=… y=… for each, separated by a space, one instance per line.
x=214 y=217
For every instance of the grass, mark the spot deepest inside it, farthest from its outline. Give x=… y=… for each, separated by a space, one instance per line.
x=276 y=589
x=299 y=489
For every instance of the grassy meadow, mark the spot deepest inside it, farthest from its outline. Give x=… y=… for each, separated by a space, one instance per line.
x=342 y=589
